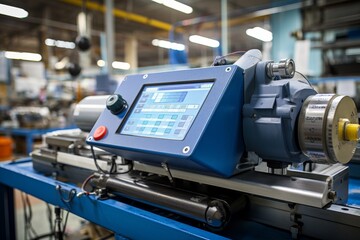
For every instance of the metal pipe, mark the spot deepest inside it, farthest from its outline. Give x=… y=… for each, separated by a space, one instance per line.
x=123 y=14
x=88 y=110
x=214 y=212
x=248 y=14
x=224 y=28
x=109 y=29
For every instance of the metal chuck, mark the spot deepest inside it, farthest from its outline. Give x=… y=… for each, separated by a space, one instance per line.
x=328 y=128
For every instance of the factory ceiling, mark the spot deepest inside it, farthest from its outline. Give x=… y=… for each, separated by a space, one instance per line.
x=143 y=19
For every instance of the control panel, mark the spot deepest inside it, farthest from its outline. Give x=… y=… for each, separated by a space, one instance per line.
x=166 y=111
x=189 y=119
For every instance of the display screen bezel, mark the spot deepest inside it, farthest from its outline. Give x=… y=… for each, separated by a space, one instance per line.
x=136 y=101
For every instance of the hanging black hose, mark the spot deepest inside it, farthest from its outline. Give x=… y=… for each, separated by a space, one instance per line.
x=58 y=229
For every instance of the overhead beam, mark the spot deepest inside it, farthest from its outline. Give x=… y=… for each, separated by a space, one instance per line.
x=123 y=14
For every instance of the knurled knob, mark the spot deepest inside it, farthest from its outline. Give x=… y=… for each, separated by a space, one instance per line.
x=116 y=104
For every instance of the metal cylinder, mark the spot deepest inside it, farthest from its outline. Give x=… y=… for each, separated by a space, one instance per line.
x=88 y=110
x=320 y=128
x=285 y=68
x=214 y=212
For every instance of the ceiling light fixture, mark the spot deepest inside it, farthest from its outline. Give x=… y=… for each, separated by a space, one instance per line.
x=23 y=56
x=121 y=65
x=168 y=45
x=100 y=63
x=204 y=41
x=260 y=33
x=59 y=43
x=62 y=63
x=175 y=5
x=115 y=64
x=13 y=11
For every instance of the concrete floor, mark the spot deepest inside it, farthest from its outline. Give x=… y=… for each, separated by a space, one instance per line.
x=40 y=221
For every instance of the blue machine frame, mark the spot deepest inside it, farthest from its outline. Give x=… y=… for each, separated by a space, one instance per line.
x=219 y=119
x=123 y=219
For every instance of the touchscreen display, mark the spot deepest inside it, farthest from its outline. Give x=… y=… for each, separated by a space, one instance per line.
x=166 y=111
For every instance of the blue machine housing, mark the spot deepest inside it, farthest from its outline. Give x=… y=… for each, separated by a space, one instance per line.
x=270 y=119
x=214 y=143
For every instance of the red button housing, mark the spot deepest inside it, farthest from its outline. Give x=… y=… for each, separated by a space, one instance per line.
x=100 y=132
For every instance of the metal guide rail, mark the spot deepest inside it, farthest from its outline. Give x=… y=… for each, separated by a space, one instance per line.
x=124 y=217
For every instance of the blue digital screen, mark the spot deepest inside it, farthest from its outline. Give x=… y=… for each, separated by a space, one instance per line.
x=166 y=111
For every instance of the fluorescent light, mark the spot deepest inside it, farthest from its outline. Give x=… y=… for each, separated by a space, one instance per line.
x=62 y=63
x=115 y=64
x=49 y=42
x=59 y=43
x=101 y=63
x=59 y=65
x=260 y=33
x=352 y=51
x=23 y=56
x=168 y=45
x=121 y=65
x=175 y=5
x=13 y=11
x=204 y=41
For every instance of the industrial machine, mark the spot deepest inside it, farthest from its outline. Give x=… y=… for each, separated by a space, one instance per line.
x=212 y=144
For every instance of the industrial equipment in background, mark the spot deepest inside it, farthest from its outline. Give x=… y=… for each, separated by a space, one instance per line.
x=250 y=139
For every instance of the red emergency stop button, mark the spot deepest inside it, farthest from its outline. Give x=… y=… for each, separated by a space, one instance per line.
x=100 y=132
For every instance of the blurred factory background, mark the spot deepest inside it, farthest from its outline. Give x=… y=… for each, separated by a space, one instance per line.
x=55 y=53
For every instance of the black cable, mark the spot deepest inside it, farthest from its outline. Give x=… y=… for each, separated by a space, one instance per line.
x=25 y=215
x=30 y=216
x=94 y=227
x=28 y=228
x=97 y=165
x=45 y=235
x=131 y=166
x=107 y=237
x=83 y=185
x=49 y=213
x=70 y=196
x=304 y=77
x=57 y=226
x=65 y=222
x=217 y=60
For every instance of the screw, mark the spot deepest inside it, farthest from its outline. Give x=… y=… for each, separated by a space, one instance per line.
x=332 y=195
x=186 y=149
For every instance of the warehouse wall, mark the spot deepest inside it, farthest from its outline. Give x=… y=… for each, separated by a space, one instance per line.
x=282 y=24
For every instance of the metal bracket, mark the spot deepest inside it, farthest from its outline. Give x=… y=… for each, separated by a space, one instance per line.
x=296 y=228
x=168 y=173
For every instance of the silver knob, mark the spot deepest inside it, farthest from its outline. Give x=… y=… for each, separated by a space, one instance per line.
x=285 y=68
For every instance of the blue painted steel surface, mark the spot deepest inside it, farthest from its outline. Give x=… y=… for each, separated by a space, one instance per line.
x=125 y=220
x=270 y=118
x=215 y=134
x=354 y=169
x=354 y=192
x=30 y=134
